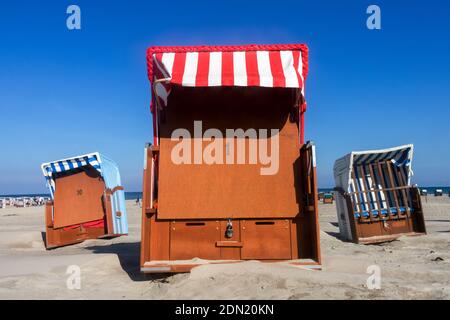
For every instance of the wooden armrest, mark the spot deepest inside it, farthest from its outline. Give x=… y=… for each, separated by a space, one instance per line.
x=110 y=192
x=340 y=190
x=48 y=214
x=154 y=149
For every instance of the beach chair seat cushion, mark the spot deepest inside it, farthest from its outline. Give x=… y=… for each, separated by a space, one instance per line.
x=384 y=212
x=91 y=224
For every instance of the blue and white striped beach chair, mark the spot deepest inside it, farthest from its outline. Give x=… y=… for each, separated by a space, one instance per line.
x=376 y=201
x=87 y=200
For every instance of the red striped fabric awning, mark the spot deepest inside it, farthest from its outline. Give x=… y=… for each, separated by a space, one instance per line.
x=283 y=66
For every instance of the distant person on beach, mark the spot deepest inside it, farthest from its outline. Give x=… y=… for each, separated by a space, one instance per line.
x=138 y=201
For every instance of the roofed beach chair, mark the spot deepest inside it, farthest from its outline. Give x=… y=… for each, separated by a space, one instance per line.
x=41 y=201
x=328 y=198
x=376 y=201
x=27 y=201
x=2 y=203
x=227 y=211
x=10 y=201
x=438 y=193
x=19 y=202
x=88 y=200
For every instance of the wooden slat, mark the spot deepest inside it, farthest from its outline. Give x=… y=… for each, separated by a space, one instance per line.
x=109 y=214
x=146 y=204
x=393 y=176
x=387 y=189
x=383 y=185
x=309 y=166
x=391 y=179
x=358 y=202
x=373 y=170
x=377 y=196
x=363 y=177
x=48 y=214
x=398 y=171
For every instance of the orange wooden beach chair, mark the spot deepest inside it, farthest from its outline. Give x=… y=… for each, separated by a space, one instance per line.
x=207 y=200
x=87 y=200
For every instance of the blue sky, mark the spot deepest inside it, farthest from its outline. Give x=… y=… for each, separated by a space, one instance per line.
x=64 y=93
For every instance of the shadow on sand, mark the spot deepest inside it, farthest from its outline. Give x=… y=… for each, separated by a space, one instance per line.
x=128 y=254
x=337 y=235
x=44 y=238
x=335 y=224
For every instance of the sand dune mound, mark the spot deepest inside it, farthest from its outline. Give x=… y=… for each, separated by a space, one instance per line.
x=24 y=240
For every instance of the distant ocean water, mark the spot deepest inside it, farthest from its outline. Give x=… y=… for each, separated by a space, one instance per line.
x=128 y=195
x=430 y=190
x=135 y=195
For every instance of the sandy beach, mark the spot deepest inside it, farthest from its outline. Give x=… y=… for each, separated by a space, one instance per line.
x=411 y=267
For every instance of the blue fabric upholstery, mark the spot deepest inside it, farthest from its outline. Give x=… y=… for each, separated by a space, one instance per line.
x=384 y=212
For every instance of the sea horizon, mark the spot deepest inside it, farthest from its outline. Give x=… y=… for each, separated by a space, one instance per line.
x=130 y=195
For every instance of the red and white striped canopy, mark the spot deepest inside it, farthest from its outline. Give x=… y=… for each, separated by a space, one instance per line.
x=283 y=66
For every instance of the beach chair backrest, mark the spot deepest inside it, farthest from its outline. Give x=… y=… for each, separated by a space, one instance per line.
x=375 y=198
x=234 y=191
x=377 y=180
x=87 y=177
x=379 y=186
x=78 y=198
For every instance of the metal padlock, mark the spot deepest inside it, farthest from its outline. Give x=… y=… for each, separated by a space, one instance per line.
x=229 y=230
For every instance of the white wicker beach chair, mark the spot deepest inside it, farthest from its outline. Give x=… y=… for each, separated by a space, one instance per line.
x=28 y=202
x=10 y=201
x=19 y=202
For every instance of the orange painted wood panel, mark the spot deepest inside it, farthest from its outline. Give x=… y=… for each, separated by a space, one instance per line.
x=266 y=239
x=194 y=239
x=78 y=198
x=202 y=191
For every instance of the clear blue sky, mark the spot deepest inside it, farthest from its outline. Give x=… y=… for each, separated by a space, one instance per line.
x=64 y=93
